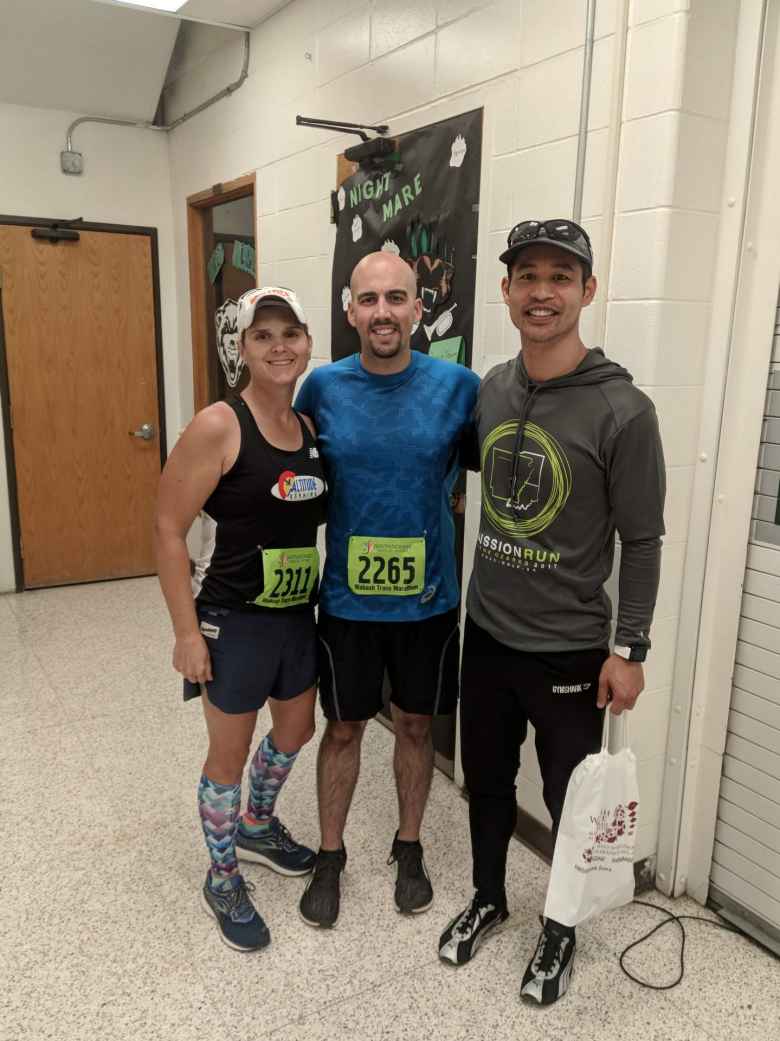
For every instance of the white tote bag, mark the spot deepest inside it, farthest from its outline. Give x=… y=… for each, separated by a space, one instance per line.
x=593 y=864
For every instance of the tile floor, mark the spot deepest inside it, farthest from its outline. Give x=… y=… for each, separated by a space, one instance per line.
x=101 y=931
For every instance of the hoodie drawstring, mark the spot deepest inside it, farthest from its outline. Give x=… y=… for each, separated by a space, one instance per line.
x=518 y=447
x=593 y=369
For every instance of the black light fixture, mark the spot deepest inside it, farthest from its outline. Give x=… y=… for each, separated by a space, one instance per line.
x=372 y=152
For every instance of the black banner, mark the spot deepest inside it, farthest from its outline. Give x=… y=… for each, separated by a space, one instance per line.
x=426 y=212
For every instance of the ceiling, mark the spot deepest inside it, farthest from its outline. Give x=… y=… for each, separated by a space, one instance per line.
x=100 y=58
x=245 y=14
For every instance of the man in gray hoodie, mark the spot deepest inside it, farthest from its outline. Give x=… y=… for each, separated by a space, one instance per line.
x=570 y=453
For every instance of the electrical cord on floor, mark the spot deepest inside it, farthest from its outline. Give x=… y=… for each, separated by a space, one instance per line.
x=678 y=920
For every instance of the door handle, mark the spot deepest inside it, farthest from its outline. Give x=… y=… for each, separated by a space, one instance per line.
x=145 y=431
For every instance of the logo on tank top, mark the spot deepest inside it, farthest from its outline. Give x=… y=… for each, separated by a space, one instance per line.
x=292 y=487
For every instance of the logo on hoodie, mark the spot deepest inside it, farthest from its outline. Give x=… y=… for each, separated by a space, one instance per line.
x=523 y=491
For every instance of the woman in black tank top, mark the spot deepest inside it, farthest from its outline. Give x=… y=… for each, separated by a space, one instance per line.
x=244 y=624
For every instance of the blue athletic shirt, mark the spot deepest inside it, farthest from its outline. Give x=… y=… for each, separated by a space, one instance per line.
x=389 y=446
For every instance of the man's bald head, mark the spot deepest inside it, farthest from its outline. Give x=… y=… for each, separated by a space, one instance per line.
x=384 y=309
x=386 y=264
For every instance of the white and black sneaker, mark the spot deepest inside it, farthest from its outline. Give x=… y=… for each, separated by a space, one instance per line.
x=460 y=940
x=549 y=971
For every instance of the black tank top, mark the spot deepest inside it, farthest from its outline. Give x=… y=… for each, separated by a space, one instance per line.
x=259 y=525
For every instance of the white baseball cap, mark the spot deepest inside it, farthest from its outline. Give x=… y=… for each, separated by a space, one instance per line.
x=267 y=296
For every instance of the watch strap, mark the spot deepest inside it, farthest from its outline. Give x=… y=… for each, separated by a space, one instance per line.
x=637 y=652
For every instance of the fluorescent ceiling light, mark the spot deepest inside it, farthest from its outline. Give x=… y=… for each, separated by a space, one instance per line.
x=158 y=5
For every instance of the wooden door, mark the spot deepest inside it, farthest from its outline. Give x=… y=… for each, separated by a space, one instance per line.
x=80 y=341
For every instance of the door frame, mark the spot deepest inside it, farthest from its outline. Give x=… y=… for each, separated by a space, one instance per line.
x=745 y=394
x=199 y=208
x=5 y=387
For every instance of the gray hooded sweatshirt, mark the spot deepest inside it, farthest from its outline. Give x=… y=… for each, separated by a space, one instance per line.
x=565 y=464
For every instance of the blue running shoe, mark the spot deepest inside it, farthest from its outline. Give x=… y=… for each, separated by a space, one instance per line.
x=240 y=926
x=276 y=849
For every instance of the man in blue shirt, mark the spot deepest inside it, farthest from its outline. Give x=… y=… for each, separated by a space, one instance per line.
x=389 y=421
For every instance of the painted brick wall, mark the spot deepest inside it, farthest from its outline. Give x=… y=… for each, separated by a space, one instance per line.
x=666 y=226
x=409 y=64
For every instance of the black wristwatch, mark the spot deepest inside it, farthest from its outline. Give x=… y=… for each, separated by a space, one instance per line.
x=636 y=652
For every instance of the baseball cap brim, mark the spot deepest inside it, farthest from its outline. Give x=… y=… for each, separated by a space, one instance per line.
x=277 y=301
x=267 y=296
x=509 y=254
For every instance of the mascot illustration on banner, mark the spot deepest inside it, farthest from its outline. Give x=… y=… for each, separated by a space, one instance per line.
x=433 y=263
x=226 y=321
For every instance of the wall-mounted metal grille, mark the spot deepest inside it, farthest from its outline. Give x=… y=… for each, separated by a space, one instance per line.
x=745 y=872
x=766 y=504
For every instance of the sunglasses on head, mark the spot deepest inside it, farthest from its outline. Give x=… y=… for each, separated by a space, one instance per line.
x=555 y=230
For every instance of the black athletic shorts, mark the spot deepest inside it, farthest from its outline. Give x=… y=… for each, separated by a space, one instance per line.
x=421 y=659
x=256 y=656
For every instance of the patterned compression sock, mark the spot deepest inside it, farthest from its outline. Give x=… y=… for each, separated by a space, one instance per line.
x=267 y=773
x=219 y=806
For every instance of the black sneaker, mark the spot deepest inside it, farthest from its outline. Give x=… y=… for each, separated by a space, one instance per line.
x=462 y=937
x=277 y=849
x=320 y=901
x=413 y=889
x=240 y=926
x=549 y=971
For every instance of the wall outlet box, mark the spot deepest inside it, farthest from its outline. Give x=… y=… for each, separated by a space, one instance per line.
x=72 y=162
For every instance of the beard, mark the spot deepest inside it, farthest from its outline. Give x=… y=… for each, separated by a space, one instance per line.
x=385 y=350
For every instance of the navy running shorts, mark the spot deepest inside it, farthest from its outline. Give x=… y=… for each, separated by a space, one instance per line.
x=256 y=656
x=421 y=660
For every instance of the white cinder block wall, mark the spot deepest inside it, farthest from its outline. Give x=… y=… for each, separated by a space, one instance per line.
x=666 y=227
x=410 y=63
